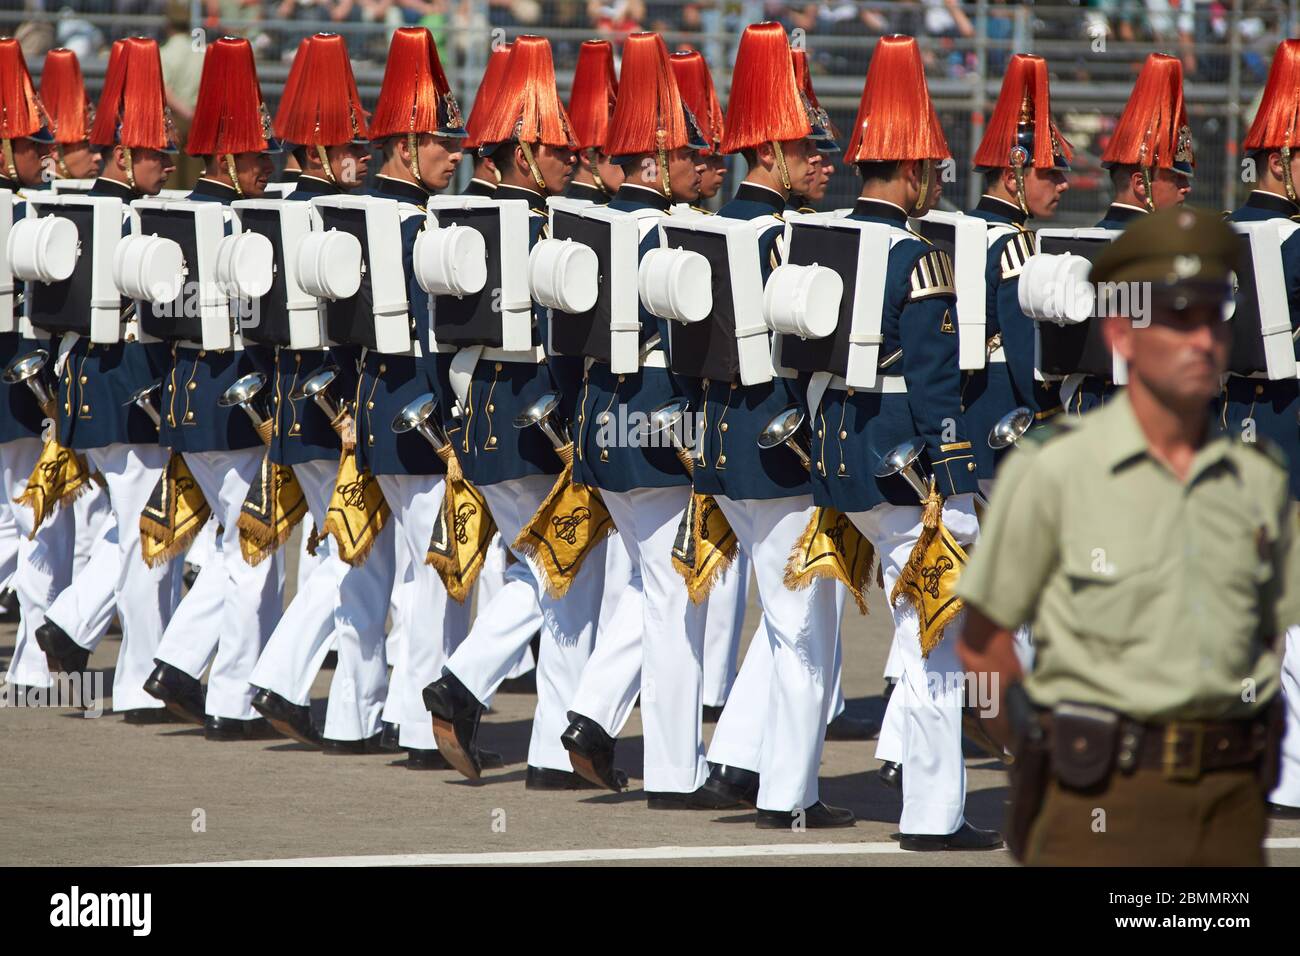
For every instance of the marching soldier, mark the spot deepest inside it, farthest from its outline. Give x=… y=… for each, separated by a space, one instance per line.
x=654 y=138
x=917 y=394
x=591 y=103
x=765 y=495
x=1150 y=159
x=1271 y=407
x=229 y=613
x=1154 y=688
x=825 y=137
x=528 y=136
x=97 y=382
x=63 y=91
x=1023 y=159
x=44 y=553
x=700 y=97
x=321 y=114
x=486 y=175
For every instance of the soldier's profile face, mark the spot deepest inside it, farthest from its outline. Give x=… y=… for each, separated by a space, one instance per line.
x=150 y=167
x=349 y=163
x=611 y=174
x=28 y=155
x=1169 y=188
x=82 y=160
x=439 y=157
x=683 y=175
x=254 y=171
x=1180 y=355
x=817 y=192
x=1043 y=191
x=798 y=154
x=556 y=164
x=714 y=172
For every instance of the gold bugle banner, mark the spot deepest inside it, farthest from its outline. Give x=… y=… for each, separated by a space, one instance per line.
x=704 y=547
x=175 y=513
x=832 y=547
x=929 y=578
x=462 y=533
x=272 y=508
x=59 y=477
x=570 y=523
x=357 y=511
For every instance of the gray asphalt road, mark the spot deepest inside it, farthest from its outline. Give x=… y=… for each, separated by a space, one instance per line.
x=99 y=791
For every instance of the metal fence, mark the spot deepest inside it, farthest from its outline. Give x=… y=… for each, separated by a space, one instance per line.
x=1094 y=47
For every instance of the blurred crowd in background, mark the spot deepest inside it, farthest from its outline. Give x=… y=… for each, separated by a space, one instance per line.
x=1094 y=48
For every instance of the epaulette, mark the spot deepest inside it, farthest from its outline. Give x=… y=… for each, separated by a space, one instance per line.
x=1016 y=253
x=1267 y=448
x=916 y=235
x=1042 y=432
x=932 y=275
x=701 y=210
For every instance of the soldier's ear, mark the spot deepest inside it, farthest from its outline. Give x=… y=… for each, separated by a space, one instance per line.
x=1117 y=333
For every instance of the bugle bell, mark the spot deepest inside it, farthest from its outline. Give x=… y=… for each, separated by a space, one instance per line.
x=142 y=400
x=539 y=414
x=242 y=393
x=784 y=429
x=27 y=368
x=416 y=415
x=316 y=387
x=901 y=460
x=666 y=419
x=1010 y=427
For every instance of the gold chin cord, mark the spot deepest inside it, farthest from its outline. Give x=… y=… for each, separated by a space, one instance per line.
x=919 y=207
x=413 y=144
x=593 y=155
x=234 y=175
x=781 y=166
x=661 y=138
x=7 y=145
x=532 y=165
x=1286 y=175
x=62 y=163
x=130 y=166
x=324 y=158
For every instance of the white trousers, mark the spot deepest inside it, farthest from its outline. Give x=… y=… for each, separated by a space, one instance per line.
x=145 y=597
x=611 y=680
x=229 y=614
x=1287 y=791
x=8 y=540
x=925 y=709
x=801 y=632
x=205 y=543
x=44 y=561
x=85 y=608
x=724 y=620
x=400 y=599
x=434 y=625
x=491 y=578
x=568 y=627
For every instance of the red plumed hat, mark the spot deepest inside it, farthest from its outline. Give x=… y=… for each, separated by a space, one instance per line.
x=1153 y=130
x=1021 y=126
x=132 y=107
x=20 y=109
x=527 y=108
x=1279 y=107
x=229 y=116
x=650 y=114
x=415 y=97
x=488 y=88
x=63 y=91
x=320 y=105
x=896 y=119
x=764 y=105
x=595 y=90
x=803 y=76
x=696 y=86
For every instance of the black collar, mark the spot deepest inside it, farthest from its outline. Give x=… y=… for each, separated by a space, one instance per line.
x=111 y=187
x=1123 y=212
x=290 y=175
x=643 y=196
x=314 y=184
x=479 y=187
x=1259 y=199
x=880 y=209
x=753 y=192
x=1000 y=207
x=210 y=187
x=10 y=184
x=391 y=186
x=536 y=201
x=576 y=190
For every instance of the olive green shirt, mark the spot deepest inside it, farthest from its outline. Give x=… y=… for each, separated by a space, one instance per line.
x=1157 y=598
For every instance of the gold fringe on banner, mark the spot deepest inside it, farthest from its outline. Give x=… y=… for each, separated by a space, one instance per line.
x=832 y=547
x=175 y=513
x=569 y=524
x=930 y=575
x=462 y=533
x=704 y=547
x=357 y=511
x=272 y=508
x=59 y=478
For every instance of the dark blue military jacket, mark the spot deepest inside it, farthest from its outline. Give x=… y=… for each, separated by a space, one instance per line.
x=613 y=452
x=97 y=381
x=302 y=430
x=854 y=428
x=488 y=445
x=729 y=461
x=587 y=191
x=991 y=392
x=390 y=382
x=1271 y=405
x=191 y=418
x=20 y=415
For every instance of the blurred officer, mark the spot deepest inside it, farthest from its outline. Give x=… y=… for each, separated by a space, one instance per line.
x=1151 y=165
x=1156 y=560
x=591 y=103
x=233 y=606
x=1271 y=407
x=97 y=382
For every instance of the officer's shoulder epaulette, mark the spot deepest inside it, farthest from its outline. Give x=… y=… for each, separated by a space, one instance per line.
x=1016 y=253
x=1046 y=431
x=916 y=235
x=931 y=275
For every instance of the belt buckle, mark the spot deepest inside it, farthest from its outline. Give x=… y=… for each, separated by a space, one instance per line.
x=1169 y=765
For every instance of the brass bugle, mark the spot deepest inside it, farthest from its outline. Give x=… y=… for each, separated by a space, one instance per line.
x=416 y=416
x=901 y=460
x=27 y=368
x=316 y=387
x=242 y=393
x=665 y=419
x=539 y=414
x=142 y=400
x=784 y=430
x=1010 y=427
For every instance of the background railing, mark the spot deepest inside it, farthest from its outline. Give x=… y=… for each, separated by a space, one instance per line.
x=1094 y=47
